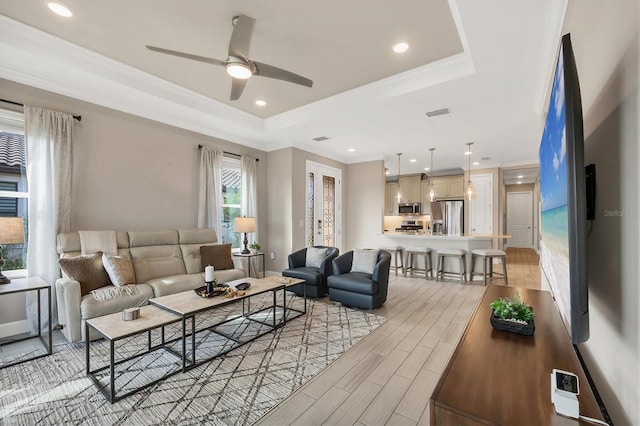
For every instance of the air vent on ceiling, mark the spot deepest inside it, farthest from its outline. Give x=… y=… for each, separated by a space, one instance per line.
x=320 y=138
x=437 y=112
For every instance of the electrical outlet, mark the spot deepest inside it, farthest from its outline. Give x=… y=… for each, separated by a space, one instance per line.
x=273 y=255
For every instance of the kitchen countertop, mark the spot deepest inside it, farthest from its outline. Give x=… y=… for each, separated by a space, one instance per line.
x=395 y=234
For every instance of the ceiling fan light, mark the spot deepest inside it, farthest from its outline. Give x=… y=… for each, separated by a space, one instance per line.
x=240 y=71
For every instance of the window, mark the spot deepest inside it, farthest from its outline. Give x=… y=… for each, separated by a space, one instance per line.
x=231 y=200
x=14 y=193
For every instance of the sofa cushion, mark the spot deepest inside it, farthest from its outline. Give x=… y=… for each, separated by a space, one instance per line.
x=216 y=255
x=152 y=262
x=119 y=269
x=87 y=270
x=364 y=260
x=185 y=282
x=315 y=256
x=91 y=308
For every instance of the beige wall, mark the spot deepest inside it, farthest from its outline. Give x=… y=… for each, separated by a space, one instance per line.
x=280 y=208
x=131 y=173
x=606 y=43
x=364 y=202
x=287 y=190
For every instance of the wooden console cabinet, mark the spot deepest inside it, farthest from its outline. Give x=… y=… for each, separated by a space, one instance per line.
x=501 y=378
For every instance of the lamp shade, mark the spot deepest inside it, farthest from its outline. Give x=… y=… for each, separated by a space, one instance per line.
x=11 y=230
x=244 y=224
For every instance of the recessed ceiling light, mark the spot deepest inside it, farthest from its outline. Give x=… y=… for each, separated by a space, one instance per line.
x=413 y=160
x=520 y=176
x=260 y=102
x=475 y=163
x=401 y=46
x=467 y=153
x=519 y=182
x=60 y=9
x=426 y=168
x=351 y=150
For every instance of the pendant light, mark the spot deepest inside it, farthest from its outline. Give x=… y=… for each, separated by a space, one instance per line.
x=432 y=192
x=471 y=190
x=399 y=194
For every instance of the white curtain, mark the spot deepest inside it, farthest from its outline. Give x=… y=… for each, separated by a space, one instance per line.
x=248 y=173
x=210 y=194
x=49 y=137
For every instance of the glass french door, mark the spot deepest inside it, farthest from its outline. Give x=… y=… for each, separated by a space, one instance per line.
x=323 y=207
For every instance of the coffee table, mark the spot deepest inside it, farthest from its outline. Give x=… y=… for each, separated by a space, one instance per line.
x=113 y=328
x=188 y=304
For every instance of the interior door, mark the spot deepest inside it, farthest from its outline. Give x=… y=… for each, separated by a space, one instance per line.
x=323 y=205
x=520 y=219
x=481 y=208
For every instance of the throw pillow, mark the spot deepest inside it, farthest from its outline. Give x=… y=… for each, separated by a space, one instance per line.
x=315 y=256
x=87 y=270
x=364 y=260
x=216 y=255
x=120 y=269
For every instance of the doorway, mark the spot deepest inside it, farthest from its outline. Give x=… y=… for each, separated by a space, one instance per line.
x=520 y=219
x=324 y=204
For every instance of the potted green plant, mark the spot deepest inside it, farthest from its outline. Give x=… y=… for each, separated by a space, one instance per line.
x=255 y=247
x=512 y=314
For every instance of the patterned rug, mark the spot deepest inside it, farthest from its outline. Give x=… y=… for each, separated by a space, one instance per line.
x=236 y=388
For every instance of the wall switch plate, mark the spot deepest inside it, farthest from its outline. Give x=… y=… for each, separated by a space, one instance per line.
x=273 y=255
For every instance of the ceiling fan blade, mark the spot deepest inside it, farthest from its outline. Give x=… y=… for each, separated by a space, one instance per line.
x=265 y=70
x=237 y=86
x=241 y=37
x=187 y=55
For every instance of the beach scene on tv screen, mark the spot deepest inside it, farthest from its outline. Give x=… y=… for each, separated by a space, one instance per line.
x=553 y=193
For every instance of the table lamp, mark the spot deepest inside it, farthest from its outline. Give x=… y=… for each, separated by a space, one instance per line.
x=245 y=224
x=11 y=232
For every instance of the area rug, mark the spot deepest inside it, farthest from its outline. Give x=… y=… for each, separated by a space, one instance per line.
x=237 y=388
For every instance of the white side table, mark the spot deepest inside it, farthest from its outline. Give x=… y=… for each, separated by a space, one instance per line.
x=24 y=285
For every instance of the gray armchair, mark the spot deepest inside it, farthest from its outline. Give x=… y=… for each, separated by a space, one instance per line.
x=315 y=276
x=359 y=289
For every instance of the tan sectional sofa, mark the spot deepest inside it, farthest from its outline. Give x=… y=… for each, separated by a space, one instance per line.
x=165 y=262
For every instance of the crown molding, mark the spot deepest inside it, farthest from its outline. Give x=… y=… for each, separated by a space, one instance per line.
x=35 y=58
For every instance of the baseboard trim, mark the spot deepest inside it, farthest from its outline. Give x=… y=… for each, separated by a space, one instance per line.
x=13 y=328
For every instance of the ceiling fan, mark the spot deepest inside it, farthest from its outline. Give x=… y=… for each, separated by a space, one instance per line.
x=238 y=64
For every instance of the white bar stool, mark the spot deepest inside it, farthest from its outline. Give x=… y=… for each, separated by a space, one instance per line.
x=460 y=254
x=396 y=251
x=412 y=255
x=487 y=256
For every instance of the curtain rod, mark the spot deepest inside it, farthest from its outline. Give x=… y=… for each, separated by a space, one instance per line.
x=77 y=117
x=229 y=153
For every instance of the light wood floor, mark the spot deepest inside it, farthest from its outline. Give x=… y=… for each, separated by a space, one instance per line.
x=388 y=377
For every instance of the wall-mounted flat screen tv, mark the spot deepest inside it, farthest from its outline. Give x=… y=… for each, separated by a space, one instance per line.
x=562 y=191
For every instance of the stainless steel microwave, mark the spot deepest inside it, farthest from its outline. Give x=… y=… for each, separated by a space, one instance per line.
x=409 y=209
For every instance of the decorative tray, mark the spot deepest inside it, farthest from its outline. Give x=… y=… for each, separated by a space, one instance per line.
x=217 y=291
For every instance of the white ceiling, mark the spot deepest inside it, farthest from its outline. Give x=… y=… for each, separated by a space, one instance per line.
x=488 y=61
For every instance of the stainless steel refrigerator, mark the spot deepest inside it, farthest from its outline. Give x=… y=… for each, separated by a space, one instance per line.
x=447 y=217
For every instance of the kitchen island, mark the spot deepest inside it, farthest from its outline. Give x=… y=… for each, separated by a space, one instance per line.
x=436 y=242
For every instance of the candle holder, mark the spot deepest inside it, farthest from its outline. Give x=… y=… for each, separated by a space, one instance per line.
x=210 y=286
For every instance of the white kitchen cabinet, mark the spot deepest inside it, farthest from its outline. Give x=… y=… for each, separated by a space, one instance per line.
x=449 y=186
x=390 y=199
x=410 y=186
x=424 y=197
